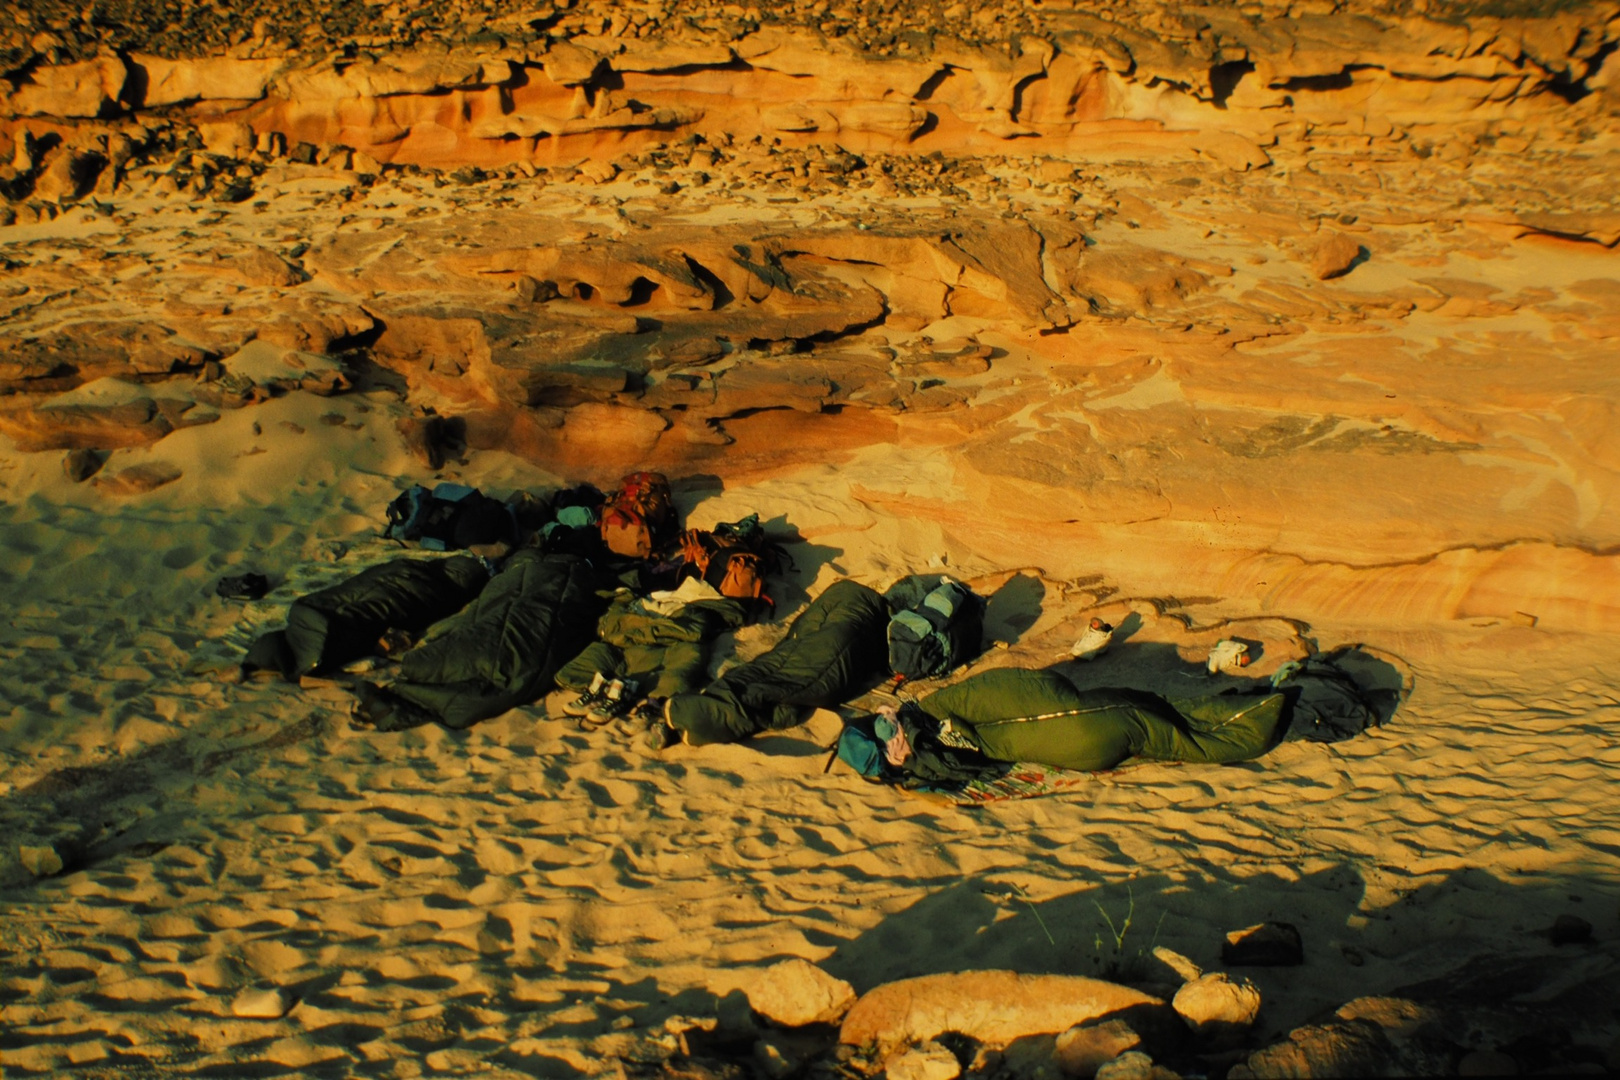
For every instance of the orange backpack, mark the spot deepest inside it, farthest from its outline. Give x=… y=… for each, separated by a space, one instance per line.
x=639 y=517
x=735 y=558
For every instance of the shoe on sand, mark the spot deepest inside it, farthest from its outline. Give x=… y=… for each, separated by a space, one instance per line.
x=1228 y=657
x=614 y=701
x=592 y=694
x=1092 y=643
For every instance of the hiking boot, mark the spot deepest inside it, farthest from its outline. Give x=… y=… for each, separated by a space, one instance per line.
x=661 y=737
x=616 y=699
x=660 y=734
x=642 y=718
x=592 y=694
x=1097 y=637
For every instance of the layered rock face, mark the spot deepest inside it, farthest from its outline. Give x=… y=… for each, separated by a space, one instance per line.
x=1310 y=309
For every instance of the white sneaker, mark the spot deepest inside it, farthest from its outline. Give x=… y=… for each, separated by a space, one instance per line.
x=1228 y=657
x=1096 y=638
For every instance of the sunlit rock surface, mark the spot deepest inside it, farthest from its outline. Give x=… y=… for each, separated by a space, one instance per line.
x=1291 y=321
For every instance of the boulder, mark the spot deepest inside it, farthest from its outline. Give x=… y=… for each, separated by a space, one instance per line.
x=139 y=479
x=930 y=1061
x=1218 y=1009
x=1085 y=1048
x=41 y=861
x=69 y=176
x=1335 y=255
x=168 y=82
x=68 y=90
x=83 y=463
x=1270 y=944
x=994 y=1007
x=795 y=992
x=1570 y=930
x=1337 y=1048
x=1135 y=1065
x=256 y=1003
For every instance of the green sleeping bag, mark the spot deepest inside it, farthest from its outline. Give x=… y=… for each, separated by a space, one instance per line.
x=1016 y=714
x=836 y=649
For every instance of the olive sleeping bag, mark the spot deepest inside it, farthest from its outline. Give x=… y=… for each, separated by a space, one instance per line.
x=502 y=650
x=344 y=622
x=836 y=648
x=664 y=653
x=1016 y=714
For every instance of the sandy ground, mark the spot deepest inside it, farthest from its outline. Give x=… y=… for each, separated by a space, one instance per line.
x=527 y=899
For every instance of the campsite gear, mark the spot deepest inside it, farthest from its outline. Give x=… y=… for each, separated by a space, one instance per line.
x=639 y=517
x=347 y=621
x=616 y=699
x=450 y=517
x=833 y=651
x=1022 y=715
x=1097 y=637
x=735 y=557
x=1228 y=657
x=503 y=649
x=249 y=586
x=663 y=644
x=937 y=624
x=903 y=747
x=1339 y=694
x=590 y=696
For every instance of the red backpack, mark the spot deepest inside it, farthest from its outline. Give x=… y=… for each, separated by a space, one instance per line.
x=639 y=517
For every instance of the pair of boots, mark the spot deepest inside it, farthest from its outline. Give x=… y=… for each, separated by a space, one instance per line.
x=607 y=700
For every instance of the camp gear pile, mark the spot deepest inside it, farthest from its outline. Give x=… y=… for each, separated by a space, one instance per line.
x=606 y=596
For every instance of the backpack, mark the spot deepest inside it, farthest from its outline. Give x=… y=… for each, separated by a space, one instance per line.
x=1339 y=694
x=449 y=517
x=932 y=764
x=735 y=557
x=938 y=623
x=639 y=517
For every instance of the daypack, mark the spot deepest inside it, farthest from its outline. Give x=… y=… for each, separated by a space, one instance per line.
x=449 y=517
x=937 y=624
x=1339 y=694
x=735 y=557
x=639 y=516
x=866 y=741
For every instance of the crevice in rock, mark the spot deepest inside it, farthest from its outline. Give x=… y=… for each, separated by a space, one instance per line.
x=1224 y=79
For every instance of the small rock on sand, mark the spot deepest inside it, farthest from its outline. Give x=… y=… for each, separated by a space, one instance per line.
x=1335 y=256
x=795 y=992
x=1135 y=1065
x=1271 y=944
x=80 y=465
x=930 y=1061
x=1215 y=1007
x=139 y=479
x=1570 y=930
x=1082 y=1050
x=40 y=861
x=256 y=1003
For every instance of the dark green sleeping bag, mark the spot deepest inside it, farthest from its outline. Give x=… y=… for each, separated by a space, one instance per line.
x=502 y=650
x=1015 y=714
x=343 y=622
x=836 y=648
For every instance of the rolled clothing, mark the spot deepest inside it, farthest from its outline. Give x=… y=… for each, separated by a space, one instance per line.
x=1018 y=714
x=835 y=649
x=503 y=649
x=344 y=622
x=664 y=652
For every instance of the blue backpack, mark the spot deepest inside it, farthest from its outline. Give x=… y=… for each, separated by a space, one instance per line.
x=937 y=624
x=449 y=517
